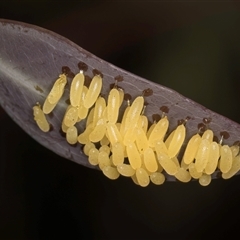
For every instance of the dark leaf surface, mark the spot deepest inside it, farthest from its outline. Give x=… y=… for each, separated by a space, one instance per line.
x=31 y=58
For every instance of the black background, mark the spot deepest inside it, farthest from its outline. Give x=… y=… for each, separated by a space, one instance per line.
x=193 y=47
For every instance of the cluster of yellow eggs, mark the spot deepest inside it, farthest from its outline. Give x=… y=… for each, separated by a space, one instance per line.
x=129 y=147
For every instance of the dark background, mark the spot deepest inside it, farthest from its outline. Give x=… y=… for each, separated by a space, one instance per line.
x=192 y=47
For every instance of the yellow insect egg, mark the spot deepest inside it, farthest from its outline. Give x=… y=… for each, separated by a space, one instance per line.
x=235 y=150
x=202 y=155
x=141 y=140
x=93 y=156
x=83 y=138
x=234 y=169
x=160 y=148
x=100 y=106
x=87 y=148
x=117 y=153
x=113 y=106
x=71 y=116
x=184 y=165
x=105 y=148
x=134 y=113
x=183 y=175
x=150 y=160
x=104 y=141
x=122 y=128
x=83 y=111
x=90 y=117
x=71 y=135
x=113 y=133
x=142 y=177
x=157 y=178
x=40 y=119
x=48 y=107
x=176 y=161
x=111 y=172
x=167 y=163
x=213 y=158
x=133 y=156
x=64 y=127
x=99 y=131
x=57 y=90
x=149 y=131
x=208 y=134
x=130 y=136
x=103 y=160
x=225 y=162
x=93 y=91
x=121 y=96
x=134 y=178
x=143 y=123
x=76 y=89
x=169 y=138
x=193 y=171
x=177 y=141
x=205 y=179
x=159 y=131
x=125 y=170
x=191 y=149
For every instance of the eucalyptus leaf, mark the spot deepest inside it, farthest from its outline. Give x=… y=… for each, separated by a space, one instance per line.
x=31 y=59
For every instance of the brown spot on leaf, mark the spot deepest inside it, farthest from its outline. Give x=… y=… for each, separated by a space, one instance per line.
x=164 y=109
x=97 y=72
x=119 y=78
x=147 y=92
x=225 y=134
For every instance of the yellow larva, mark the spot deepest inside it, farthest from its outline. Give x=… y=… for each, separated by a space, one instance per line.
x=133 y=156
x=71 y=116
x=177 y=141
x=117 y=153
x=142 y=177
x=125 y=170
x=93 y=91
x=234 y=169
x=40 y=119
x=150 y=160
x=71 y=135
x=202 y=155
x=110 y=172
x=225 y=162
x=113 y=105
x=76 y=89
x=158 y=132
x=205 y=179
x=191 y=149
x=213 y=158
x=157 y=178
x=57 y=89
x=183 y=175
